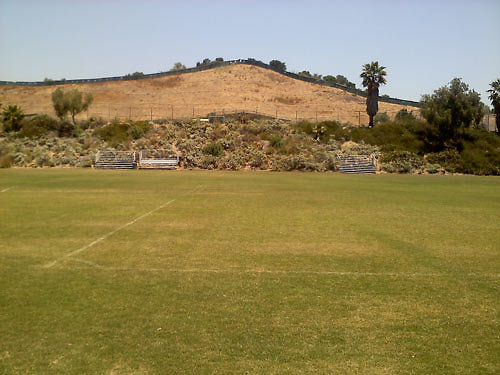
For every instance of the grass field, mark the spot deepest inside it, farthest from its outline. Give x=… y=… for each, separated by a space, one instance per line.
x=149 y=272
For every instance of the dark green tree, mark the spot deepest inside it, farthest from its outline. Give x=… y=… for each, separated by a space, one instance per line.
x=495 y=101
x=12 y=118
x=134 y=75
x=405 y=115
x=373 y=76
x=451 y=108
x=329 y=79
x=178 y=66
x=278 y=65
x=71 y=102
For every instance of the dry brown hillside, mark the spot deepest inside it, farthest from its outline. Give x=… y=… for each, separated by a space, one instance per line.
x=223 y=89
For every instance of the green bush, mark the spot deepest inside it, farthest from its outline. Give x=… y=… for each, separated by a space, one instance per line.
x=449 y=159
x=391 y=136
x=404 y=115
x=323 y=131
x=38 y=126
x=381 y=117
x=214 y=149
x=479 y=152
x=122 y=132
x=401 y=161
x=276 y=141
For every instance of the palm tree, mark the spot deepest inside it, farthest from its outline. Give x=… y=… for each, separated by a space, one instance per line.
x=495 y=101
x=373 y=76
x=12 y=118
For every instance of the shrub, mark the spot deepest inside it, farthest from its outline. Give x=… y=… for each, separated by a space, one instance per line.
x=5 y=161
x=208 y=162
x=381 y=117
x=214 y=149
x=449 y=159
x=38 y=126
x=391 y=136
x=113 y=133
x=258 y=159
x=276 y=141
x=401 y=161
x=404 y=115
x=323 y=131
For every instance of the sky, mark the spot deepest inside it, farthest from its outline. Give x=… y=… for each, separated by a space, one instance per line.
x=423 y=44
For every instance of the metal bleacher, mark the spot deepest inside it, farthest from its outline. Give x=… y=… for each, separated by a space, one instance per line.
x=115 y=160
x=361 y=164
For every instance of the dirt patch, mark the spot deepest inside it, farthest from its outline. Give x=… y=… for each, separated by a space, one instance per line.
x=287 y=100
x=168 y=82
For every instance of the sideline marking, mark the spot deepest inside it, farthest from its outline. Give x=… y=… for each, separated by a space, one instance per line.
x=6 y=189
x=102 y=238
x=262 y=271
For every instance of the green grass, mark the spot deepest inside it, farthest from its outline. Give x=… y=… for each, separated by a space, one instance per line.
x=248 y=272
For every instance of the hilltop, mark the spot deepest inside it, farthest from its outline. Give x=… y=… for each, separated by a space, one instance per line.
x=235 y=87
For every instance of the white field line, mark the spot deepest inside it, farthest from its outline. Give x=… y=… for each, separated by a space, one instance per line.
x=102 y=238
x=277 y=272
x=6 y=189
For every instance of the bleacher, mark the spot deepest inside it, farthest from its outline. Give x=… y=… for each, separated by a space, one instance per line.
x=158 y=159
x=362 y=164
x=116 y=160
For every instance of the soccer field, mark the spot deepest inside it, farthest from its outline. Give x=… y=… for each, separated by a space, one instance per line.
x=191 y=272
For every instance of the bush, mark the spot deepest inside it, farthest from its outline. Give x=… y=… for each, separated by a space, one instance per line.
x=381 y=117
x=401 y=161
x=5 y=161
x=404 y=115
x=122 y=132
x=391 y=136
x=38 y=126
x=276 y=141
x=214 y=149
x=323 y=131
x=448 y=159
x=480 y=152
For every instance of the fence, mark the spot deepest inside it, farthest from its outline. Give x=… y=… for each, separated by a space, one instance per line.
x=293 y=113
x=211 y=66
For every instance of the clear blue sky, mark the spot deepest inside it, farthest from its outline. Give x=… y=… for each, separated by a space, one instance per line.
x=423 y=44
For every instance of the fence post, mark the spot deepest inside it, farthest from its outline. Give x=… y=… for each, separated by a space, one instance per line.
x=296 y=117
x=151 y=113
x=129 y=113
x=276 y=113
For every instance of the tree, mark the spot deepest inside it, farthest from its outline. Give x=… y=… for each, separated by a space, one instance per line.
x=495 y=101
x=341 y=80
x=178 y=66
x=70 y=102
x=12 y=117
x=329 y=79
x=405 y=115
x=278 y=65
x=451 y=108
x=373 y=76
x=134 y=75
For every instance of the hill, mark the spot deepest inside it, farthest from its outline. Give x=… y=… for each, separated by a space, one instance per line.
x=193 y=93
